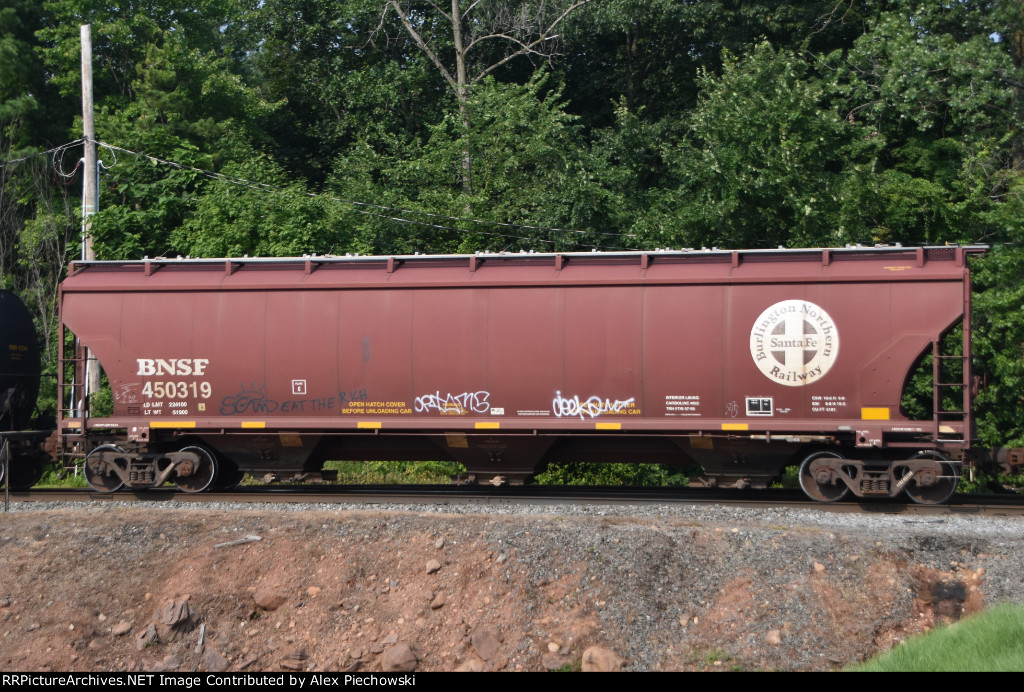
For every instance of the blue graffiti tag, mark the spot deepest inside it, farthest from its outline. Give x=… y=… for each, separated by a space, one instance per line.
x=248 y=400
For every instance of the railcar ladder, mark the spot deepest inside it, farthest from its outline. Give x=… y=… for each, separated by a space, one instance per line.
x=945 y=434
x=71 y=382
x=71 y=403
x=72 y=399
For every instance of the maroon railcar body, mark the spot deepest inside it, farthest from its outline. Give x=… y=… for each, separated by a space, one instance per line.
x=742 y=361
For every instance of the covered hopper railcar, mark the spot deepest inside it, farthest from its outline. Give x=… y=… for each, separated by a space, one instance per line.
x=743 y=362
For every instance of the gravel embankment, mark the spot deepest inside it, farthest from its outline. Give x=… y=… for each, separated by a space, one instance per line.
x=668 y=587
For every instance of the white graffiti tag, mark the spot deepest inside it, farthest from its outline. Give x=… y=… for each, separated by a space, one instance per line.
x=477 y=402
x=593 y=407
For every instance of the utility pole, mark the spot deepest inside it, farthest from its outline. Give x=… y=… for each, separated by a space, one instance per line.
x=90 y=182
x=90 y=191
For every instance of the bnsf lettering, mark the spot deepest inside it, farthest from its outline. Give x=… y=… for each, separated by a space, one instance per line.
x=172 y=366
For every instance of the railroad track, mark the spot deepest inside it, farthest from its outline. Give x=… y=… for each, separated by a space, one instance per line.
x=989 y=505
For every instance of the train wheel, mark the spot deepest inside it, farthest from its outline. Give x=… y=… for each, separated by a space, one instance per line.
x=935 y=484
x=98 y=472
x=195 y=478
x=26 y=474
x=818 y=481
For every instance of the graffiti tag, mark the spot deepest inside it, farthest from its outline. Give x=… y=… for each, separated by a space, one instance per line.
x=251 y=399
x=476 y=402
x=593 y=406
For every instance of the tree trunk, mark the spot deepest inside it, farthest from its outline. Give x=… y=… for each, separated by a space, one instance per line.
x=462 y=94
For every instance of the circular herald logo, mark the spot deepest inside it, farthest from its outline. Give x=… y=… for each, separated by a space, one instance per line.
x=794 y=343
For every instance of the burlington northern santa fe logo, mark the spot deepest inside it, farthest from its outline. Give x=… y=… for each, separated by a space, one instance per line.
x=794 y=343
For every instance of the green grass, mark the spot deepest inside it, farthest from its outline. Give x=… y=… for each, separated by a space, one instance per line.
x=441 y=472
x=51 y=479
x=986 y=483
x=615 y=474
x=712 y=659
x=992 y=641
x=394 y=472
x=790 y=479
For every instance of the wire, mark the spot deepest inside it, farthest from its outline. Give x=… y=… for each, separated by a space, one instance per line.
x=103 y=165
x=58 y=160
x=59 y=148
x=273 y=188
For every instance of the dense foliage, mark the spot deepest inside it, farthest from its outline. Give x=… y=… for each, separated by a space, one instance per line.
x=396 y=126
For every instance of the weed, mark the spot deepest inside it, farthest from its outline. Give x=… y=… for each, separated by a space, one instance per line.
x=714 y=655
x=55 y=479
x=790 y=479
x=395 y=472
x=987 y=483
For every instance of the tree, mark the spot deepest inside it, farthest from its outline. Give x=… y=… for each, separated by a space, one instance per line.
x=339 y=82
x=272 y=218
x=467 y=45
x=647 y=55
x=760 y=163
x=999 y=341
x=123 y=31
x=167 y=86
x=531 y=176
x=938 y=90
x=189 y=108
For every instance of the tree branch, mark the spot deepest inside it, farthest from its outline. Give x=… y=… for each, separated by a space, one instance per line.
x=370 y=40
x=470 y=8
x=526 y=48
x=512 y=39
x=442 y=12
x=423 y=45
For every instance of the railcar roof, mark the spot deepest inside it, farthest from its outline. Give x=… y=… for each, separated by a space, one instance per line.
x=524 y=269
x=932 y=252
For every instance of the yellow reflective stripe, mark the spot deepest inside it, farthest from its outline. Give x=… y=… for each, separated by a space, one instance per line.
x=735 y=426
x=488 y=425
x=608 y=426
x=254 y=424
x=173 y=424
x=368 y=424
x=877 y=413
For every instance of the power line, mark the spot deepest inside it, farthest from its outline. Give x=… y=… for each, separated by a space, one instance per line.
x=58 y=162
x=59 y=148
x=236 y=180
